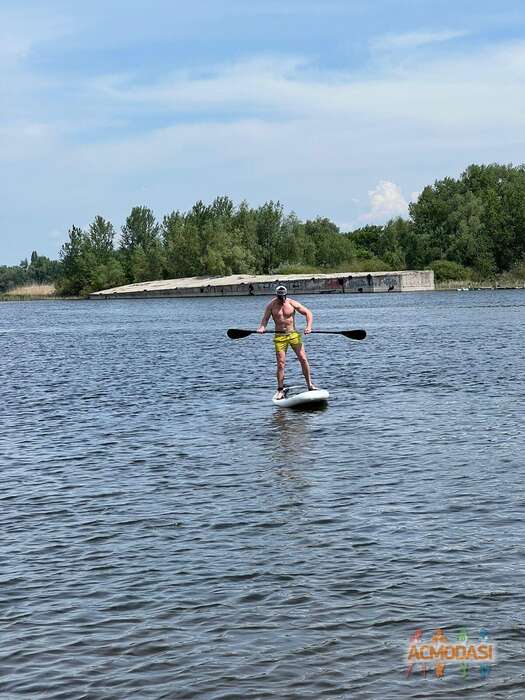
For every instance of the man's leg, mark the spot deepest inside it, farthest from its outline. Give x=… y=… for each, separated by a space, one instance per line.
x=301 y=354
x=280 y=356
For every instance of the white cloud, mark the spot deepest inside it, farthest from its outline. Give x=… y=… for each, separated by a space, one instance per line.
x=271 y=127
x=386 y=202
x=477 y=90
x=413 y=40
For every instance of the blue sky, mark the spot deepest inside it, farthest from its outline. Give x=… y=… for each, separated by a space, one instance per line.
x=340 y=109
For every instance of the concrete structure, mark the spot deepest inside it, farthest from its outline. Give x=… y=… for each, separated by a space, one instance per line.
x=250 y=285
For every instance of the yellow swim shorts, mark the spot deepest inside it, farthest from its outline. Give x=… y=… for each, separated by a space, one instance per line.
x=283 y=340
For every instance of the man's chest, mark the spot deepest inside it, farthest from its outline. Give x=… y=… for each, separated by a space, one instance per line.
x=283 y=312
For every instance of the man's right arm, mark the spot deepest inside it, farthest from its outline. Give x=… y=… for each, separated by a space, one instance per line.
x=265 y=318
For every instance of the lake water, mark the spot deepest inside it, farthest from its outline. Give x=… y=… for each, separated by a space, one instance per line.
x=166 y=532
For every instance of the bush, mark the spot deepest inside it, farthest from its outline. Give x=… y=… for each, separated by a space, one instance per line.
x=368 y=264
x=445 y=270
x=518 y=269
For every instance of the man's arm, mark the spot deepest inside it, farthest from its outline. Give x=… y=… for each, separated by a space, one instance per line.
x=265 y=318
x=305 y=312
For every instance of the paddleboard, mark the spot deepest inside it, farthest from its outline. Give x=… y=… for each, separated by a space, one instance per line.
x=295 y=398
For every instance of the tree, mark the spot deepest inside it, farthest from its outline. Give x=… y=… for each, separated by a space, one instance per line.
x=41 y=269
x=182 y=249
x=140 y=248
x=366 y=241
x=12 y=276
x=477 y=220
x=331 y=248
x=88 y=261
x=269 y=217
x=100 y=239
x=446 y=270
x=75 y=267
x=105 y=276
x=475 y=223
x=222 y=207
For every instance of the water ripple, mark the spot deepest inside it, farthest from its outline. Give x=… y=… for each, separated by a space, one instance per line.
x=168 y=533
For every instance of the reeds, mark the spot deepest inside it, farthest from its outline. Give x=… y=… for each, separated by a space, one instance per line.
x=31 y=291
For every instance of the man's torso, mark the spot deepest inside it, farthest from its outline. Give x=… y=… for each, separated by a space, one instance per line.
x=283 y=316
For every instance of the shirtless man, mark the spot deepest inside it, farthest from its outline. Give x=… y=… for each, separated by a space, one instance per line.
x=282 y=310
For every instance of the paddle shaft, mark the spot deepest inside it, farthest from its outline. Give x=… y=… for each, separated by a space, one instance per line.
x=236 y=333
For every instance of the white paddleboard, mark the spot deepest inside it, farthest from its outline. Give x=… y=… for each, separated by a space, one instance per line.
x=301 y=398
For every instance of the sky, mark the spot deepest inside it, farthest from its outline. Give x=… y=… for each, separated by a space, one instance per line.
x=345 y=109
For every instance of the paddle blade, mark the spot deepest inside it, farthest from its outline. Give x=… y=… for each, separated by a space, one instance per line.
x=236 y=333
x=355 y=335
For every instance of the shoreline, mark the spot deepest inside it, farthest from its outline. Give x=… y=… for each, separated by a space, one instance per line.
x=36 y=297
x=18 y=299
x=162 y=289
x=459 y=287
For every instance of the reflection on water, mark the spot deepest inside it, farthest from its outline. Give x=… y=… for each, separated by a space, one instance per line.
x=293 y=432
x=169 y=532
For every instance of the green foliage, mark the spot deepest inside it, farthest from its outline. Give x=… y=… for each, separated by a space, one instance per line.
x=268 y=230
x=141 y=251
x=89 y=261
x=445 y=270
x=477 y=221
x=39 y=270
x=100 y=239
x=76 y=262
x=182 y=247
x=471 y=226
x=13 y=276
x=104 y=276
x=518 y=269
x=327 y=244
x=370 y=264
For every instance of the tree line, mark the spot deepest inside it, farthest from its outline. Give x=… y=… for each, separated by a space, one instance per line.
x=37 y=270
x=469 y=227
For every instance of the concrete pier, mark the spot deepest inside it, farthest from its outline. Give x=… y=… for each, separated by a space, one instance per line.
x=251 y=285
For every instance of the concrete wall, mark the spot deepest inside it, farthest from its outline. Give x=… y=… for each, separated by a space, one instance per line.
x=245 y=285
x=416 y=280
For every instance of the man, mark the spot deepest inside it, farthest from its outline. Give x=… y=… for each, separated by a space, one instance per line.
x=282 y=310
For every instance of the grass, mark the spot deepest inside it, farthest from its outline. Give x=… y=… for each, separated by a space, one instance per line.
x=505 y=280
x=30 y=291
x=512 y=279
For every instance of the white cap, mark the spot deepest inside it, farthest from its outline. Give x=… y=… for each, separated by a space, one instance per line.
x=281 y=290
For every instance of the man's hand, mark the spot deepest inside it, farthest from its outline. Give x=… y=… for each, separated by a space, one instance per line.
x=307 y=330
x=261 y=329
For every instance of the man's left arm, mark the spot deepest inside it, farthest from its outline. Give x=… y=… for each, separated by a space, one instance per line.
x=305 y=312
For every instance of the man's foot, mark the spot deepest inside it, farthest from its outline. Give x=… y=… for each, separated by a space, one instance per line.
x=312 y=387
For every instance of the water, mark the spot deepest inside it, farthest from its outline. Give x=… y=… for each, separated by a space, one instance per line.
x=166 y=532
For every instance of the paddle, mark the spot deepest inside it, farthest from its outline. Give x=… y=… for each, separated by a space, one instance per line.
x=236 y=333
